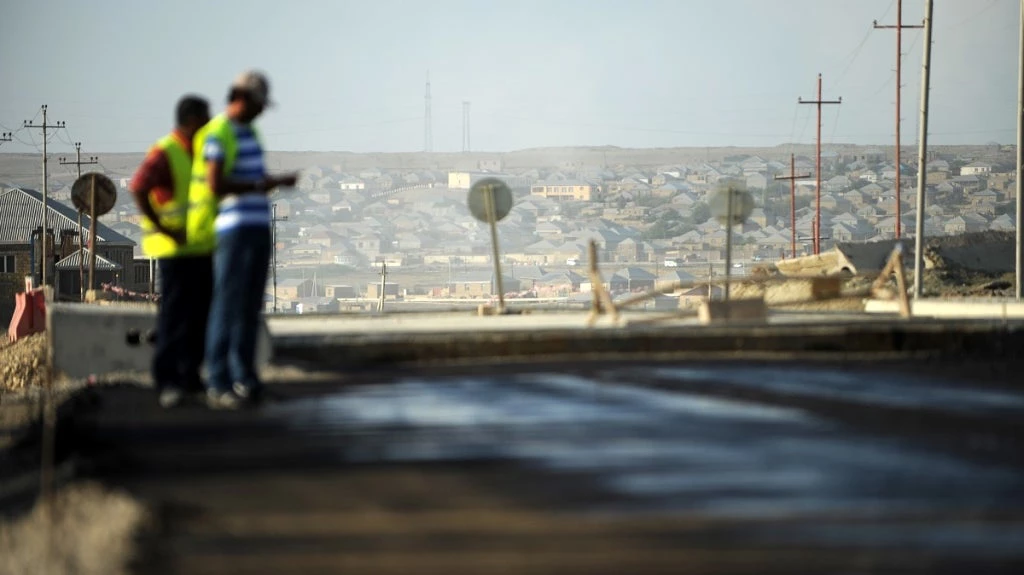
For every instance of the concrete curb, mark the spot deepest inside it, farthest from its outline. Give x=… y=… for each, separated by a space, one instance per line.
x=339 y=351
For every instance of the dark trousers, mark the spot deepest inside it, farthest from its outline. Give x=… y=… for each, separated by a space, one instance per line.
x=186 y=286
x=240 y=278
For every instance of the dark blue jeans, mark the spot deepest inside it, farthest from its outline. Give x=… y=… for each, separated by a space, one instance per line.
x=186 y=284
x=240 y=276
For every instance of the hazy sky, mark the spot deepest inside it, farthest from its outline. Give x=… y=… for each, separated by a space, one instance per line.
x=349 y=74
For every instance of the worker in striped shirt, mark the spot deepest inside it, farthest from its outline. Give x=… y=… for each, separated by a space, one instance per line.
x=233 y=168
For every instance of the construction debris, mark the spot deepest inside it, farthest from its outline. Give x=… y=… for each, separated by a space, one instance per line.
x=23 y=363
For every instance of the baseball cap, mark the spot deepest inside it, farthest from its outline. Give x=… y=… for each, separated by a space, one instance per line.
x=254 y=83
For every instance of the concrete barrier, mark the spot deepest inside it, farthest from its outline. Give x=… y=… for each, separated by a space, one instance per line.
x=951 y=309
x=86 y=340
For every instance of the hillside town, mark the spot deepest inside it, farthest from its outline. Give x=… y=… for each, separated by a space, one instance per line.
x=651 y=224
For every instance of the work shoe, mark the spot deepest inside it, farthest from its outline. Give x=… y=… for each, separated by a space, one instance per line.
x=249 y=392
x=170 y=396
x=217 y=399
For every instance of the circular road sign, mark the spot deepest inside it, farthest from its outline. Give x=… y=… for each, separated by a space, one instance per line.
x=106 y=193
x=499 y=191
x=742 y=205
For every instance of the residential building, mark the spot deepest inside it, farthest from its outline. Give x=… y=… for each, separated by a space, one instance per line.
x=564 y=190
x=21 y=249
x=976 y=169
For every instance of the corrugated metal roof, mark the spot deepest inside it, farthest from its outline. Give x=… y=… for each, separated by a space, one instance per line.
x=21 y=211
x=102 y=263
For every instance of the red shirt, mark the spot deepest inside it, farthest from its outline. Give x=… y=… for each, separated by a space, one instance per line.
x=153 y=179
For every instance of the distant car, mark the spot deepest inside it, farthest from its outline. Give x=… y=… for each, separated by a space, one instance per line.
x=737 y=265
x=572 y=262
x=671 y=264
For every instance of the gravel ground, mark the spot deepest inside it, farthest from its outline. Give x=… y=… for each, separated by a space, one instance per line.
x=92 y=534
x=23 y=363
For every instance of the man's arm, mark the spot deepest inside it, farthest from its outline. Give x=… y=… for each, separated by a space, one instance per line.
x=223 y=185
x=154 y=173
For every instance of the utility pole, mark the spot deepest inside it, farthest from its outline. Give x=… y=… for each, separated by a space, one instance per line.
x=428 y=127
x=81 y=235
x=922 y=156
x=1020 y=158
x=273 y=248
x=465 y=126
x=45 y=191
x=817 y=189
x=899 y=58
x=793 y=177
x=383 y=283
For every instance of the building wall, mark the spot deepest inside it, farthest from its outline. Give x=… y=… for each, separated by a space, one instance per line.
x=582 y=193
x=12 y=283
x=471 y=289
x=975 y=170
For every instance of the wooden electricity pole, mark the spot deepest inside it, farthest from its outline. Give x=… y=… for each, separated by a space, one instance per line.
x=817 y=188
x=792 y=177
x=81 y=237
x=45 y=190
x=899 y=58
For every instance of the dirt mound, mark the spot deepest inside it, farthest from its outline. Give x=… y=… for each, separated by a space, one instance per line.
x=23 y=363
x=92 y=534
x=984 y=252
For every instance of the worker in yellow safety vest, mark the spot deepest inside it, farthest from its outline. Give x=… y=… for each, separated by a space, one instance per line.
x=229 y=171
x=184 y=263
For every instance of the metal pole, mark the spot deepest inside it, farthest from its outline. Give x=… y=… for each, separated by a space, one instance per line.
x=495 y=252
x=81 y=254
x=1020 y=159
x=792 y=204
x=728 y=241
x=273 y=251
x=92 y=232
x=922 y=154
x=817 y=186
x=899 y=59
x=81 y=258
x=45 y=193
x=383 y=284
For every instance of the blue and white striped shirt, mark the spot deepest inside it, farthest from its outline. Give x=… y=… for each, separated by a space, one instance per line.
x=237 y=211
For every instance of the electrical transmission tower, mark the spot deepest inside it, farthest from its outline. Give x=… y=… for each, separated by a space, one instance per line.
x=92 y=225
x=817 y=169
x=465 y=126
x=45 y=126
x=428 y=122
x=899 y=57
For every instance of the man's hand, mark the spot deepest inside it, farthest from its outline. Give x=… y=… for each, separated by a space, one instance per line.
x=286 y=180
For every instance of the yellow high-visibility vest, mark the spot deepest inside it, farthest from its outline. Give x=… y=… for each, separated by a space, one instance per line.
x=173 y=213
x=202 y=211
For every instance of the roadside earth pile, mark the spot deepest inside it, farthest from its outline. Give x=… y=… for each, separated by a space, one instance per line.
x=970 y=265
x=796 y=293
x=23 y=363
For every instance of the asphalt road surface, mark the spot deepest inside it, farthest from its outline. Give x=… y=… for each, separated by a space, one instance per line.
x=656 y=467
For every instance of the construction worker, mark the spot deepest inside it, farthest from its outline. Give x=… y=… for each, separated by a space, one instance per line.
x=160 y=188
x=229 y=171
